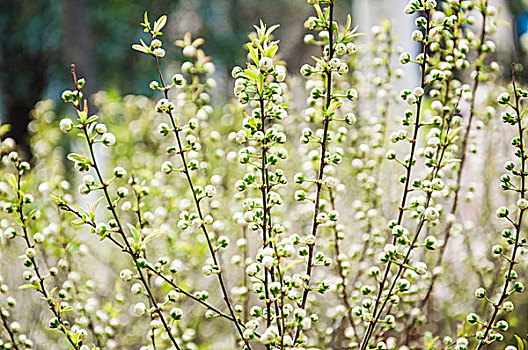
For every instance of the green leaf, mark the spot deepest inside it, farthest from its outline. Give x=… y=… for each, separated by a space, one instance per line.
x=520 y=343
x=11 y=180
x=150 y=236
x=4 y=128
x=66 y=309
x=333 y=106
x=134 y=231
x=197 y=42
x=77 y=158
x=254 y=54
x=348 y=23
x=160 y=23
x=260 y=84
x=76 y=338
x=272 y=28
x=454 y=133
x=27 y=286
x=320 y=61
x=251 y=74
x=77 y=222
x=92 y=118
x=31 y=214
x=319 y=12
x=270 y=52
x=335 y=27
x=58 y=200
x=140 y=48
x=257 y=43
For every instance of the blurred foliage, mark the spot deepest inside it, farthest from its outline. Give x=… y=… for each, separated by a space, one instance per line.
x=38 y=43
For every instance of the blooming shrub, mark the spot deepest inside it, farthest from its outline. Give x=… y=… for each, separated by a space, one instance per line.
x=352 y=216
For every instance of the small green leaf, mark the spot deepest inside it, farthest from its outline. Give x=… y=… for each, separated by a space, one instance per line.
x=520 y=343
x=77 y=158
x=257 y=43
x=31 y=214
x=252 y=75
x=293 y=263
x=160 y=23
x=76 y=338
x=260 y=85
x=333 y=106
x=272 y=28
x=77 y=222
x=348 y=23
x=454 y=133
x=4 y=128
x=270 y=52
x=66 y=309
x=198 y=41
x=150 y=236
x=92 y=118
x=320 y=61
x=11 y=180
x=134 y=232
x=27 y=286
x=140 y=48
x=254 y=54
x=319 y=12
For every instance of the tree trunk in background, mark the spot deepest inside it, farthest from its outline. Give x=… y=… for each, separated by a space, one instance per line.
x=77 y=42
x=23 y=72
x=28 y=49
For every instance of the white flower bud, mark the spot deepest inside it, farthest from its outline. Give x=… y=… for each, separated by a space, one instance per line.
x=417 y=35
x=334 y=63
x=159 y=52
x=140 y=309
x=189 y=51
x=266 y=64
x=156 y=43
x=351 y=48
x=306 y=70
x=108 y=139
x=431 y=214
x=100 y=128
x=66 y=125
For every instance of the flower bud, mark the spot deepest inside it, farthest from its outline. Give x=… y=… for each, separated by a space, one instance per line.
x=66 y=125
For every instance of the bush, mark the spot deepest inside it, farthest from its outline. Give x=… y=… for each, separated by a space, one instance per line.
x=332 y=213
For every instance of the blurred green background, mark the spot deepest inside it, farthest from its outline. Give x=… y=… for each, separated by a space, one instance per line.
x=41 y=38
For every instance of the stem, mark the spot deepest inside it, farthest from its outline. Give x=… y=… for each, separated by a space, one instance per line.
x=9 y=330
x=463 y=155
x=324 y=144
x=341 y=272
x=198 y=208
x=264 y=189
x=134 y=255
x=517 y=225
x=156 y=272
x=372 y=323
x=266 y=226
x=41 y=288
x=142 y=225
